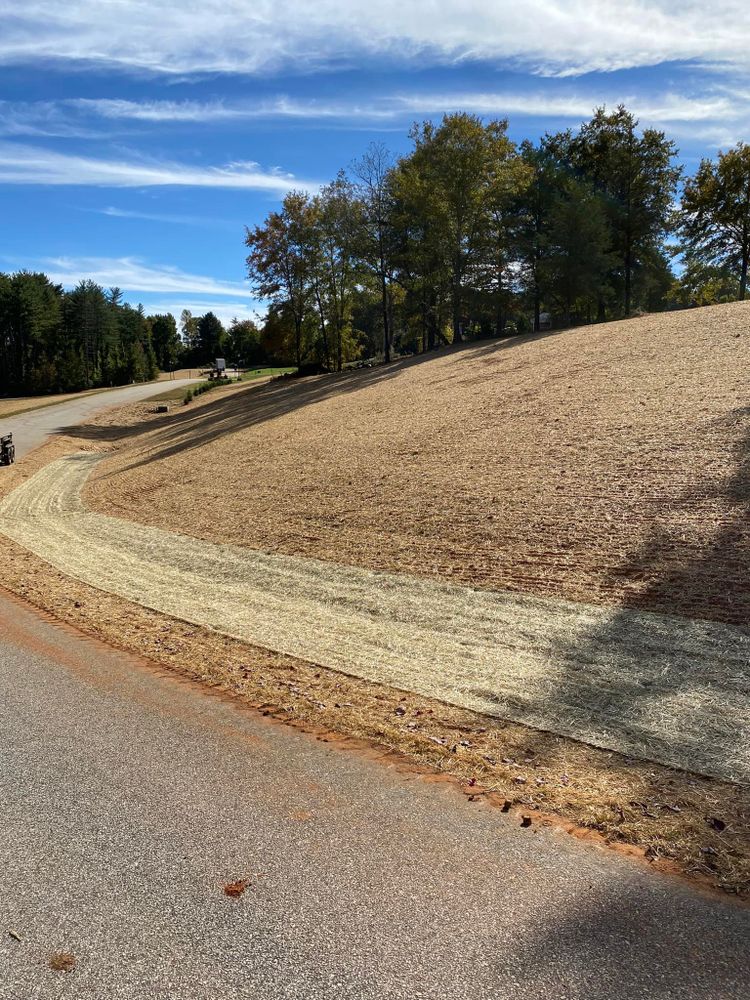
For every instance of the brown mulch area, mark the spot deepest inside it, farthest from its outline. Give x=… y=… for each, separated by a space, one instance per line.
x=609 y=464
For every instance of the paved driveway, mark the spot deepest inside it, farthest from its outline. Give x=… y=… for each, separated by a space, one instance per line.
x=31 y=428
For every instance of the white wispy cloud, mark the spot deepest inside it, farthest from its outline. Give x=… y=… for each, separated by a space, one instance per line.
x=713 y=105
x=668 y=108
x=234 y=36
x=160 y=287
x=182 y=220
x=136 y=275
x=41 y=119
x=718 y=115
x=220 y=111
x=22 y=164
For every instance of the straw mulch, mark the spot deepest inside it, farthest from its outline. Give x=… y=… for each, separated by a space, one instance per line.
x=653 y=686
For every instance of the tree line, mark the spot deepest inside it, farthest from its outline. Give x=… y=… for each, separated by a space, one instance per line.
x=52 y=340
x=467 y=235
x=57 y=341
x=470 y=235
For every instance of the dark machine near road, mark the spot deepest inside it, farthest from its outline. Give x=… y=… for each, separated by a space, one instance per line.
x=7 y=450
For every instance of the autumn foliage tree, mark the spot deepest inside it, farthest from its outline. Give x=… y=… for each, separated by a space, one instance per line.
x=279 y=264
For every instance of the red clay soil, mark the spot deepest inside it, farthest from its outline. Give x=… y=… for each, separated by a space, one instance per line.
x=608 y=464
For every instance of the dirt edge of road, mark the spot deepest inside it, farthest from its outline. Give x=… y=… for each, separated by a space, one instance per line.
x=676 y=820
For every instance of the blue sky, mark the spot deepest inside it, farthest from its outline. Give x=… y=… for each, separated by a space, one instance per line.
x=138 y=138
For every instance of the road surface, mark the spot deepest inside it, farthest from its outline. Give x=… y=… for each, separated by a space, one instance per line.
x=30 y=429
x=130 y=797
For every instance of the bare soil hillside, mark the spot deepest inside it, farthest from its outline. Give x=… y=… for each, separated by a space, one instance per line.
x=607 y=464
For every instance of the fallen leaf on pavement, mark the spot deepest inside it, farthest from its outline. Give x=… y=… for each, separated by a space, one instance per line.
x=235 y=889
x=62 y=961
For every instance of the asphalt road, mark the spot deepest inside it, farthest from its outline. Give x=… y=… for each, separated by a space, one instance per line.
x=128 y=798
x=30 y=429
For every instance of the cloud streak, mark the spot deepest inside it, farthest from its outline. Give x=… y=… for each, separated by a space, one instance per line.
x=22 y=164
x=41 y=119
x=717 y=114
x=136 y=275
x=202 y=221
x=232 y=36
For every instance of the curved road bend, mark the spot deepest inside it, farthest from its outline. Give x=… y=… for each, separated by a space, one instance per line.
x=130 y=797
x=30 y=429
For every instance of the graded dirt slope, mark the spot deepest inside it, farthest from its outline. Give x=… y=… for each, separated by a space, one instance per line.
x=609 y=464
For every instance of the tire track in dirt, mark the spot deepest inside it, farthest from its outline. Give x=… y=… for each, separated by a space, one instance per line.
x=657 y=687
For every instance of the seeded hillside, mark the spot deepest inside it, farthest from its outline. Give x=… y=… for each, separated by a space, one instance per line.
x=608 y=464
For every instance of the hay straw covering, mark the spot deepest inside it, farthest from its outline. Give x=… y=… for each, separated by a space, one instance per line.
x=654 y=686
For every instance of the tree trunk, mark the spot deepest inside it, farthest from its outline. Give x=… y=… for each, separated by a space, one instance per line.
x=323 y=330
x=298 y=340
x=391 y=321
x=386 y=325
x=499 y=315
x=628 y=277
x=456 y=303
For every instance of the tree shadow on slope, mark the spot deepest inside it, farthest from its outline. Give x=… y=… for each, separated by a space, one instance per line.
x=671 y=674
x=710 y=581
x=190 y=429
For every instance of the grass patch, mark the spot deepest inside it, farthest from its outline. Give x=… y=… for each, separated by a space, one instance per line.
x=170 y=396
x=247 y=376
x=181 y=395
